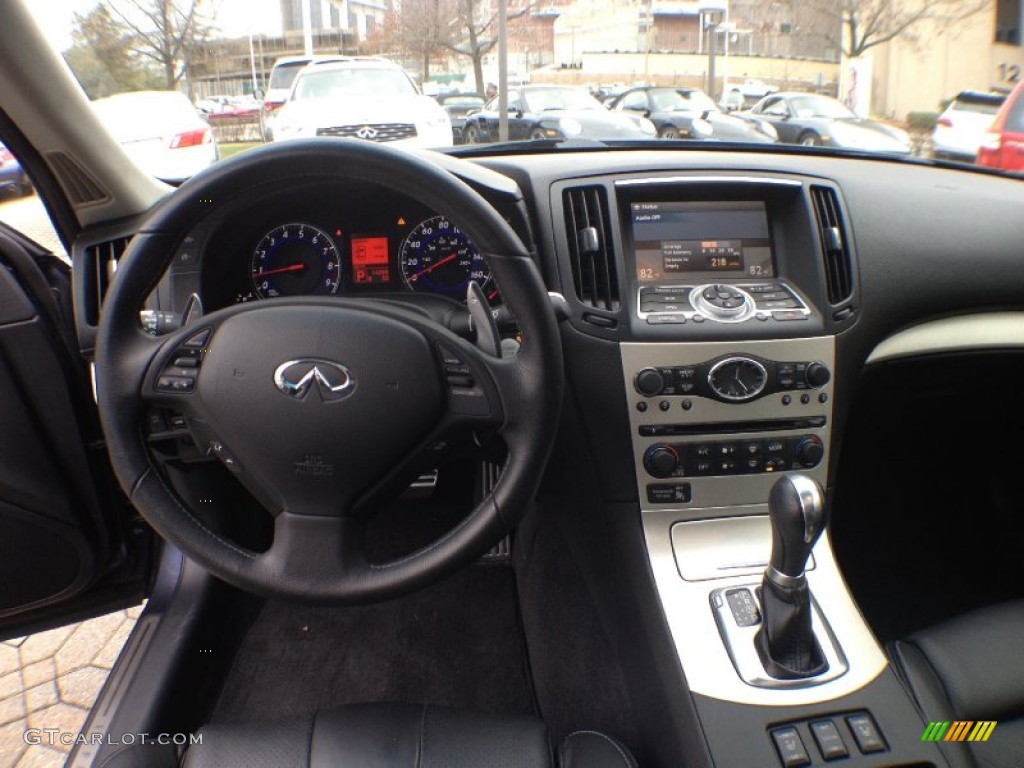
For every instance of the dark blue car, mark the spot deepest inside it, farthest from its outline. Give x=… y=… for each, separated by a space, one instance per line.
x=12 y=175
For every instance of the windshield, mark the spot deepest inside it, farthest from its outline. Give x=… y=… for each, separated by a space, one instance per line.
x=284 y=75
x=546 y=99
x=243 y=62
x=691 y=101
x=813 y=106
x=351 y=81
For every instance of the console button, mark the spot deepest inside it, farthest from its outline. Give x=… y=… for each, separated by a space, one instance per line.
x=790 y=747
x=649 y=382
x=662 y=460
x=829 y=741
x=817 y=375
x=666 y=319
x=669 y=493
x=809 y=451
x=866 y=734
x=788 y=314
x=752 y=448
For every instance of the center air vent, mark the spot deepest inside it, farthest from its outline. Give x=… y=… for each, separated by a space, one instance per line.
x=834 y=244
x=588 y=228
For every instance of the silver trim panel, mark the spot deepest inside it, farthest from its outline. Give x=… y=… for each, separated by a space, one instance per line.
x=739 y=641
x=724 y=490
x=704 y=658
x=991 y=330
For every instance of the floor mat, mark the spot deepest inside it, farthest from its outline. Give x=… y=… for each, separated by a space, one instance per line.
x=458 y=643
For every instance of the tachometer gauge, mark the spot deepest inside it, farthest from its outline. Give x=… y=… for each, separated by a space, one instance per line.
x=438 y=257
x=295 y=260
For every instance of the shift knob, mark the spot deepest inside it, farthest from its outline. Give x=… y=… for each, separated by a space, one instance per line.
x=796 y=508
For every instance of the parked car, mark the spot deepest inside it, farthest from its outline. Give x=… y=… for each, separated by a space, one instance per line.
x=815 y=120
x=220 y=107
x=366 y=98
x=1003 y=145
x=555 y=112
x=458 y=106
x=12 y=176
x=689 y=113
x=279 y=86
x=960 y=128
x=161 y=131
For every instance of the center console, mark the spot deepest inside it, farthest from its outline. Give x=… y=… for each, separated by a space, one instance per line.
x=729 y=373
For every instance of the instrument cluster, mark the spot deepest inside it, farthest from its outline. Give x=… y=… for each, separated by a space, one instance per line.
x=340 y=246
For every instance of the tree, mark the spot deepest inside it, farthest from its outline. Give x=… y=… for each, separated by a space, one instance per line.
x=418 y=29
x=102 y=58
x=862 y=24
x=163 y=31
x=473 y=32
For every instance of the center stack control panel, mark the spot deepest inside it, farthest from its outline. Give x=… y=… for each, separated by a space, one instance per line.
x=714 y=423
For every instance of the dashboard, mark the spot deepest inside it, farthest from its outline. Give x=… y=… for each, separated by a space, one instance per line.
x=718 y=311
x=326 y=241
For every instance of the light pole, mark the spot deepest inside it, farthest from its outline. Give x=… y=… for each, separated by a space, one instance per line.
x=712 y=14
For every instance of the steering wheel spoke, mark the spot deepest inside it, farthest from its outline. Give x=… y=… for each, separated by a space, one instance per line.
x=313 y=548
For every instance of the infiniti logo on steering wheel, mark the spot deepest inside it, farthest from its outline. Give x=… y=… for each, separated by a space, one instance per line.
x=333 y=381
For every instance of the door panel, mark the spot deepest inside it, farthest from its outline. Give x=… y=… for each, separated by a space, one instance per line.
x=60 y=517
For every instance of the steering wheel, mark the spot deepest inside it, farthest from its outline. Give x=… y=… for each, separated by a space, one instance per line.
x=316 y=403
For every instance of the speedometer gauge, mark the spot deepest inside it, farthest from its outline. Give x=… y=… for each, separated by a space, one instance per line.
x=295 y=260
x=438 y=257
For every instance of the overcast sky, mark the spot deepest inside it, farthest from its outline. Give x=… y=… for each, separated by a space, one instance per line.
x=234 y=17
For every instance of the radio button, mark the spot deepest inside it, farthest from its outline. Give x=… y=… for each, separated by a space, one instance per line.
x=649 y=382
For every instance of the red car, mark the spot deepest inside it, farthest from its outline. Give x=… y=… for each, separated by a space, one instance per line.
x=1003 y=145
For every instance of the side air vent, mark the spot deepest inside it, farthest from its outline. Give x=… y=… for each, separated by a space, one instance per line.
x=100 y=265
x=79 y=185
x=834 y=245
x=590 y=247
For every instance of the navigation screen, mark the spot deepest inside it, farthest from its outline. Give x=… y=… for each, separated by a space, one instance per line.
x=683 y=242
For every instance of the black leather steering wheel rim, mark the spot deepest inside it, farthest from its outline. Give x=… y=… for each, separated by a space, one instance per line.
x=311 y=564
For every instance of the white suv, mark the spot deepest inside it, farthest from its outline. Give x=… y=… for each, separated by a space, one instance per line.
x=364 y=98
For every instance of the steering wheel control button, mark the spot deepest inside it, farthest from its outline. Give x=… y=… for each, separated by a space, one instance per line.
x=175 y=383
x=830 y=743
x=464 y=395
x=226 y=457
x=669 y=493
x=199 y=340
x=790 y=747
x=869 y=739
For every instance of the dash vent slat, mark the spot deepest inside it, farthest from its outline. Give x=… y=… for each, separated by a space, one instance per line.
x=101 y=263
x=835 y=246
x=588 y=226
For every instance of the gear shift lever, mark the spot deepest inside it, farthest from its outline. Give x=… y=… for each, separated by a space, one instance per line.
x=786 y=642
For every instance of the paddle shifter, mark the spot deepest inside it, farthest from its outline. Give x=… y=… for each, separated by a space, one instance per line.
x=786 y=642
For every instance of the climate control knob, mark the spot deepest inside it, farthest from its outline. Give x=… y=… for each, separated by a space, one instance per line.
x=817 y=376
x=809 y=451
x=662 y=460
x=649 y=382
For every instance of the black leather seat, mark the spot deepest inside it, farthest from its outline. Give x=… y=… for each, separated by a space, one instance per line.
x=394 y=736
x=972 y=668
